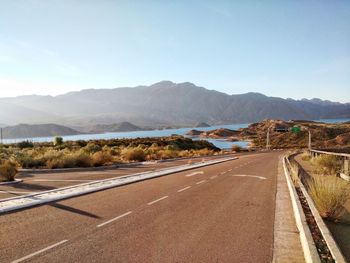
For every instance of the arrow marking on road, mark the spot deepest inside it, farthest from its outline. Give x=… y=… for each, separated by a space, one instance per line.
x=252 y=176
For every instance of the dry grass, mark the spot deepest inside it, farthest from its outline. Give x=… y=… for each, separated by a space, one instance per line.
x=236 y=148
x=101 y=158
x=329 y=193
x=133 y=154
x=326 y=164
x=8 y=171
x=103 y=152
x=294 y=172
x=305 y=156
x=71 y=160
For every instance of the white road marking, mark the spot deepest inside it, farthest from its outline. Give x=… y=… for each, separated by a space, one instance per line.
x=252 y=176
x=200 y=182
x=183 y=189
x=229 y=170
x=63 y=180
x=160 y=199
x=213 y=177
x=113 y=219
x=222 y=172
x=39 y=252
x=194 y=173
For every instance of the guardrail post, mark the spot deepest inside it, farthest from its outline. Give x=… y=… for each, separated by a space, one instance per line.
x=346 y=166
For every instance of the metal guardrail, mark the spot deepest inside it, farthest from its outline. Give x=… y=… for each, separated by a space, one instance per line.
x=345 y=173
x=347 y=155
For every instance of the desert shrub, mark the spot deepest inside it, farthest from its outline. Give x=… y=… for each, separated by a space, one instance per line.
x=54 y=163
x=167 y=154
x=236 y=148
x=184 y=153
x=92 y=147
x=101 y=158
x=57 y=140
x=80 y=159
x=329 y=193
x=62 y=159
x=80 y=143
x=51 y=155
x=25 y=144
x=133 y=154
x=305 y=156
x=26 y=160
x=327 y=164
x=205 y=151
x=8 y=170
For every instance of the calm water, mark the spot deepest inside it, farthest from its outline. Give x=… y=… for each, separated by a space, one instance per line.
x=222 y=144
x=333 y=120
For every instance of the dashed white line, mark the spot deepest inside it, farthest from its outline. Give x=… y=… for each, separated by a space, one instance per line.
x=200 y=182
x=229 y=170
x=213 y=177
x=222 y=172
x=160 y=199
x=184 y=189
x=113 y=219
x=194 y=173
x=39 y=252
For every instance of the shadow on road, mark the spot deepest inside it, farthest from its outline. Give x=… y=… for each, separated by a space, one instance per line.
x=74 y=210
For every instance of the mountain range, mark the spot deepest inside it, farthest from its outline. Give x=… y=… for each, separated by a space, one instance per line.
x=163 y=103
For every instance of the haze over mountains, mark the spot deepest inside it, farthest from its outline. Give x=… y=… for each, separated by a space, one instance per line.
x=163 y=103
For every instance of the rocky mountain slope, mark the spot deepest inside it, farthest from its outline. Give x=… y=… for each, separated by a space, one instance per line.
x=163 y=103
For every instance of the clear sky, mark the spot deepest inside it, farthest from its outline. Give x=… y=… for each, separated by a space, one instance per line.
x=283 y=48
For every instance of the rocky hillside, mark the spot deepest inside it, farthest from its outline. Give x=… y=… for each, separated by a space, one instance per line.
x=215 y=134
x=36 y=130
x=116 y=127
x=164 y=103
x=324 y=135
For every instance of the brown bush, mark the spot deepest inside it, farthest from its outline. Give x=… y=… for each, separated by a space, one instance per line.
x=133 y=154
x=8 y=171
x=236 y=148
x=329 y=193
x=101 y=158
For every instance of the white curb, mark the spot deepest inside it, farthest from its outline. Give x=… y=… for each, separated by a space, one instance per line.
x=16 y=181
x=20 y=202
x=307 y=242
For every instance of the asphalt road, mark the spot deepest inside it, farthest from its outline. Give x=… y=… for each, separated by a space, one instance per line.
x=36 y=181
x=220 y=213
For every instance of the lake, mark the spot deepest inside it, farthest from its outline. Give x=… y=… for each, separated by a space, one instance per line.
x=222 y=144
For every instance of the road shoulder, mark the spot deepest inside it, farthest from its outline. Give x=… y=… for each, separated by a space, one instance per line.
x=287 y=246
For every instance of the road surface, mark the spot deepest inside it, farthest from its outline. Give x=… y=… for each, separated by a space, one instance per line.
x=218 y=213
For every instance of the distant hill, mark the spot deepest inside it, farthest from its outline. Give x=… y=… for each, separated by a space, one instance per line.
x=116 y=127
x=162 y=104
x=36 y=130
x=202 y=124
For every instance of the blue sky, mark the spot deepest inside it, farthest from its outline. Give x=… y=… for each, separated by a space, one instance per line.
x=284 y=48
